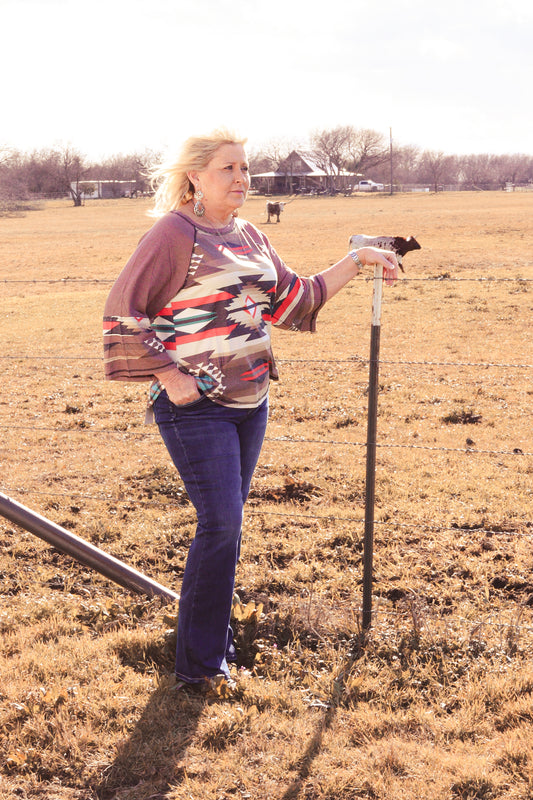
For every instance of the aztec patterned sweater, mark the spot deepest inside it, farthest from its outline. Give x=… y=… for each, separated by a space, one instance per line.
x=204 y=300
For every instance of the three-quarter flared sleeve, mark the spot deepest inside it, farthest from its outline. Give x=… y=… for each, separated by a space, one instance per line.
x=154 y=273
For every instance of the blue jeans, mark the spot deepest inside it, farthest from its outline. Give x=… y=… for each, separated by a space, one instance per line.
x=215 y=449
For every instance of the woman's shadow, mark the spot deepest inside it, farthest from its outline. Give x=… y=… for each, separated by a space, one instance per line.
x=152 y=756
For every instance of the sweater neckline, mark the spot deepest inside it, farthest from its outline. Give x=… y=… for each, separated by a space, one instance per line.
x=207 y=228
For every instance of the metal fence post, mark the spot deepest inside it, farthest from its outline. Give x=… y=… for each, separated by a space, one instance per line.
x=373 y=388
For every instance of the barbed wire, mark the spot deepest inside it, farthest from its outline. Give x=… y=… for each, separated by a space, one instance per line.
x=57 y=280
x=366 y=278
x=285 y=439
x=366 y=361
x=252 y=511
x=442 y=278
x=290 y=440
x=428 y=613
x=355 y=360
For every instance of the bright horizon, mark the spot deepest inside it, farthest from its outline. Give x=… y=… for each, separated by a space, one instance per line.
x=118 y=77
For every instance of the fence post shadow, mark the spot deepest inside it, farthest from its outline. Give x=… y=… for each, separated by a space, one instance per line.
x=150 y=756
x=311 y=752
x=334 y=701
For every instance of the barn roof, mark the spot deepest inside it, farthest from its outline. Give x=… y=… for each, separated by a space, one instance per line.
x=299 y=163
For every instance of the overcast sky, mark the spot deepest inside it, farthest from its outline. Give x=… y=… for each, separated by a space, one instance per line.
x=116 y=76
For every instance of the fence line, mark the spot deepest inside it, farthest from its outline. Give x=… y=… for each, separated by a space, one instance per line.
x=130 y=578
x=251 y=511
x=356 y=360
x=366 y=278
x=406 y=446
x=289 y=440
x=286 y=439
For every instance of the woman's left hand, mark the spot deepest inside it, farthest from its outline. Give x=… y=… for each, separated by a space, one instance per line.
x=374 y=255
x=348 y=267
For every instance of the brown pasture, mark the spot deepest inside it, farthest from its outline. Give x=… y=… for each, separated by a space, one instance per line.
x=437 y=701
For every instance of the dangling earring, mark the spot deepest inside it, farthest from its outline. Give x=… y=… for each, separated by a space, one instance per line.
x=199 y=208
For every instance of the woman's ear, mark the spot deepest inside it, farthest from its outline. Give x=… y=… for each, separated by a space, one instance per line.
x=193 y=177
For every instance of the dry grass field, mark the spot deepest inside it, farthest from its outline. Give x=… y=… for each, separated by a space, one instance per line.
x=437 y=701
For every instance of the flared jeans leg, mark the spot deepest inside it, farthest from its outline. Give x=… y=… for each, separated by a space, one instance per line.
x=215 y=449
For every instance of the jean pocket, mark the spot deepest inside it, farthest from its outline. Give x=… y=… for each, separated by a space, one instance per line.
x=188 y=405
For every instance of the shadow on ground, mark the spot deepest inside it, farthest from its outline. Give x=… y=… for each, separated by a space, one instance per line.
x=148 y=761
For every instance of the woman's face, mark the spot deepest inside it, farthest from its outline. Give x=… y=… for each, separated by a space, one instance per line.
x=224 y=182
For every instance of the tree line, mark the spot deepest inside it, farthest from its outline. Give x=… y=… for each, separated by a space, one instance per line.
x=64 y=171
x=367 y=152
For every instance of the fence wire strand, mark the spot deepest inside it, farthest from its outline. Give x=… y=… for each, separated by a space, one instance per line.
x=285 y=439
x=251 y=511
x=368 y=279
x=355 y=360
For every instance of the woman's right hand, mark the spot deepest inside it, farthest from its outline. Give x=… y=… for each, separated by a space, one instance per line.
x=180 y=388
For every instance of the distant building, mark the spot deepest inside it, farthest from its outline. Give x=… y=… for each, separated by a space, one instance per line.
x=300 y=173
x=104 y=190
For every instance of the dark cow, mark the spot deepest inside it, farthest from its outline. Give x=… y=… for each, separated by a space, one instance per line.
x=274 y=210
x=397 y=244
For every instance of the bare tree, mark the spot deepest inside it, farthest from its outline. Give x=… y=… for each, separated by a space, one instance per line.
x=270 y=156
x=13 y=189
x=73 y=171
x=132 y=167
x=6 y=154
x=406 y=160
x=277 y=150
x=515 y=168
x=55 y=172
x=436 y=167
x=143 y=163
x=260 y=162
x=330 y=148
x=476 y=171
x=347 y=148
x=62 y=171
x=366 y=149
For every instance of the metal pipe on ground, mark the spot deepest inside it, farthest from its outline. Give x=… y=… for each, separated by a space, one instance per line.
x=84 y=552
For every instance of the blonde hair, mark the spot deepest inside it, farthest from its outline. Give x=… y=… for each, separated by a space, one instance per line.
x=170 y=179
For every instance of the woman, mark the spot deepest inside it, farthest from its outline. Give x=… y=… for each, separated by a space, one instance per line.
x=192 y=312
